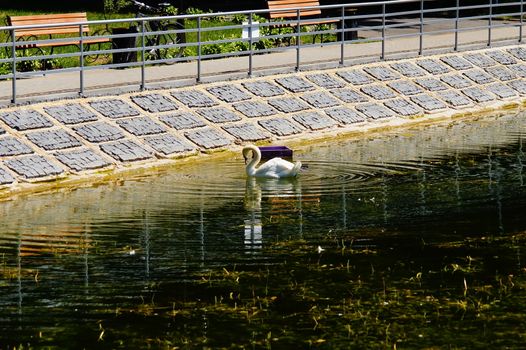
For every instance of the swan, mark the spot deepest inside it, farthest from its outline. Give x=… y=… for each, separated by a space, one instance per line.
x=274 y=168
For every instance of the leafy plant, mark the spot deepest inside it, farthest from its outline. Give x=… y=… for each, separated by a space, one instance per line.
x=115 y=6
x=194 y=11
x=239 y=18
x=6 y=67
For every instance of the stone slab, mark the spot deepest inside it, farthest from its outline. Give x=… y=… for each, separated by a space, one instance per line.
x=281 y=126
x=326 y=81
x=455 y=99
x=375 y=111
x=33 y=167
x=350 y=95
x=12 y=146
x=501 y=73
x=428 y=103
x=114 y=108
x=502 y=91
x=519 y=86
x=168 y=144
x=403 y=108
x=433 y=66
x=456 y=81
x=456 y=62
x=295 y=84
x=2 y=131
x=263 y=88
x=219 y=115
x=480 y=60
x=22 y=120
x=194 y=98
x=478 y=95
x=405 y=87
x=288 y=104
x=5 y=177
x=53 y=139
x=99 y=132
x=501 y=57
x=71 y=113
x=345 y=115
x=246 y=132
x=378 y=92
x=141 y=126
x=228 y=93
x=382 y=73
x=355 y=77
x=314 y=120
x=431 y=84
x=208 y=138
x=320 y=99
x=519 y=69
x=82 y=160
x=154 y=103
x=479 y=76
x=254 y=109
x=408 y=69
x=518 y=52
x=181 y=121
x=126 y=151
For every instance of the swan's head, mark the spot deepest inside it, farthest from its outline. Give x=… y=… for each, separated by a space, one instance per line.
x=247 y=150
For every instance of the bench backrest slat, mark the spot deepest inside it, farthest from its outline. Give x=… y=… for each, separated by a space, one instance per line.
x=48 y=19
x=283 y=4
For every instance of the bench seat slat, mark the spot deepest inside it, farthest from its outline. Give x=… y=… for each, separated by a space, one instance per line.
x=49 y=31
x=306 y=23
x=287 y=14
x=64 y=17
x=21 y=45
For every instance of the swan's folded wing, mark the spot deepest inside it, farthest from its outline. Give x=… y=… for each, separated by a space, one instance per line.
x=276 y=165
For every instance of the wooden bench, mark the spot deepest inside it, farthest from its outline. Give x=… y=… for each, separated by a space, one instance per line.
x=308 y=16
x=68 y=34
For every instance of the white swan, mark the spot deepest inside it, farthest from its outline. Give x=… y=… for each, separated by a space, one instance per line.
x=275 y=168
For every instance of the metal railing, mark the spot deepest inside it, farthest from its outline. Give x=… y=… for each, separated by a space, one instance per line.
x=156 y=40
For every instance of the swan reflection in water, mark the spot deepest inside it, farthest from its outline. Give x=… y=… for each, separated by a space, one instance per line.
x=274 y=191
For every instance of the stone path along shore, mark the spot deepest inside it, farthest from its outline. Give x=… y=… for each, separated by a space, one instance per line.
x=79 y=138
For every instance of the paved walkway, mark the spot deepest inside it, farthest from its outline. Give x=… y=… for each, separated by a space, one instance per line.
x=85 y=139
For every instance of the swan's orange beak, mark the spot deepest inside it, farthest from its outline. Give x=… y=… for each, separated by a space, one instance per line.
x=245 y=158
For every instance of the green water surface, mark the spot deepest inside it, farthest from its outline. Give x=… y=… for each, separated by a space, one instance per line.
x=412 y=239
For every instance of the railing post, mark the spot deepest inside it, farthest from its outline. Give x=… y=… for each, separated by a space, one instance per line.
x=143 y=63
x=490 y=21
x=342 y=37
x=13 y=56
x=298 y=40
x=81 y=44
x=521 y=20
x=250 y=42
x=457 y=16
x=382 y=56
x=198 y=49
x=421 y=41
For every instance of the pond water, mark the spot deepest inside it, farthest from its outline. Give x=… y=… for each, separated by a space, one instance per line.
x=411 y=239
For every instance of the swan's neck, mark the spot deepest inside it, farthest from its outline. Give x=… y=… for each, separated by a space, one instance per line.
x=256 y=158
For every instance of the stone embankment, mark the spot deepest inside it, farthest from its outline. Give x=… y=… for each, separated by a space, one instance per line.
x=52 y=143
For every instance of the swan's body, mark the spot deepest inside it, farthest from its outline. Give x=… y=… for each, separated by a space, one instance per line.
x=274 y=168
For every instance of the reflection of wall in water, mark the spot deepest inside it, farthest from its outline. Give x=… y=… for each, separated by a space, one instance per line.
x=427 y=141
